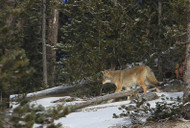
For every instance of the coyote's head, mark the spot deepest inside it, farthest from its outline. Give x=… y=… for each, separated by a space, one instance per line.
x=107 y=77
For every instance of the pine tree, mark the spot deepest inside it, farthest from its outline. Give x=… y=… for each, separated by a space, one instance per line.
x=32 y=41
x=14 y=68
x=105 y=34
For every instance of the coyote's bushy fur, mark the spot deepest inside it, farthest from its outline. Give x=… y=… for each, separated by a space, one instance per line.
x=127 y=78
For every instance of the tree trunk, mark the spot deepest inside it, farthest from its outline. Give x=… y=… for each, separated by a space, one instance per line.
x=187 y=78
x=52 y=40
x=63 y=90
x=56 y=91
x=159 y=39
x=105 y=98
x=159 y=11
x=186 y=95
x=44 y=43
x=51 y=92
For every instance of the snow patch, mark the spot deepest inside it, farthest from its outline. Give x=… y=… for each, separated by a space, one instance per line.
x=101 y=118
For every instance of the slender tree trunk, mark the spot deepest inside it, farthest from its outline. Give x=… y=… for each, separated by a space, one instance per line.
x=159 y=39
x=52 y=40
x=186 y=91
x=159 y=11
x=1 y=99
x=44 y=43
x=187 y=80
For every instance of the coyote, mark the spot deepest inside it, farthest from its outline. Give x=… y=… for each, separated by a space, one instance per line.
x=127 y=78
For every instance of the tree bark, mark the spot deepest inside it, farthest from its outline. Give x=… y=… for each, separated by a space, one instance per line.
x=52 y=40
x=44 y=43
x=186 y=95
x=64 y=90
x=56 y=91
x=187 y=78
x=159 y=11
x=159 y=39
x=51 y=92
x=107 y=97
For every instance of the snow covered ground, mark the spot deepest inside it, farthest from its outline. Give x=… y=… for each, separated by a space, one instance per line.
x=101 y=118
x=98 y=116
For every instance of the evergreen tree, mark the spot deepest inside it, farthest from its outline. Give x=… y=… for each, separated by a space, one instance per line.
x=32 y=42
x=104 y=34
x=14 y=65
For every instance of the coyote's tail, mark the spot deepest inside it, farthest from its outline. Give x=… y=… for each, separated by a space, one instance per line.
x=151 y=77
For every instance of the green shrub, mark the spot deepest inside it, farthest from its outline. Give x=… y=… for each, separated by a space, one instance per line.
x=167 y=109
x=27 y=115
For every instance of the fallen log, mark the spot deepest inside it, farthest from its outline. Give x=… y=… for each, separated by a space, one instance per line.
x=55 y=91
x=51 y=91
x=107 y=97
x=63 y=90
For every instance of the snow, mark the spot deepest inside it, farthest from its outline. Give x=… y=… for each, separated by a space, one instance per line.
x=36 y=125
x=46 y=102
x=98 y=116
x=101 y=118
x=171 y=94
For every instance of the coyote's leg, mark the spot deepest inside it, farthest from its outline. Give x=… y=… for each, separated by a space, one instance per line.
x=128 y=97
x=141 y=82
x=118 y=89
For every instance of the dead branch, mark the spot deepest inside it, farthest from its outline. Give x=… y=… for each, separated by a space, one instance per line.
x=107 y=97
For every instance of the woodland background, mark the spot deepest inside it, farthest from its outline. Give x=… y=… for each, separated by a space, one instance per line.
x=84 y=37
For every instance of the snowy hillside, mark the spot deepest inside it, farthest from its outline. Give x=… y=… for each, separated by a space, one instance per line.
x=98 y=116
